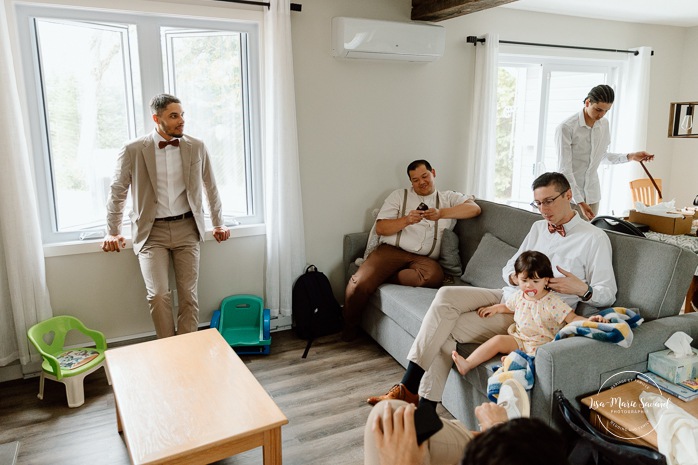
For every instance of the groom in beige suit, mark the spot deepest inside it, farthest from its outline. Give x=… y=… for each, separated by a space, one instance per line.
x=166 y=172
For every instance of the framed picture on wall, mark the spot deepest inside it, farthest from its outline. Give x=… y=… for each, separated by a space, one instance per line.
x=681 y=119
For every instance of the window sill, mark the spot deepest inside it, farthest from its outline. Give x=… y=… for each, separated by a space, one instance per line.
x=93 y=246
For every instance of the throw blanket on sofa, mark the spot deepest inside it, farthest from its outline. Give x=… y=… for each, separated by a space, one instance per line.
x=618 y=331
x=517 y=365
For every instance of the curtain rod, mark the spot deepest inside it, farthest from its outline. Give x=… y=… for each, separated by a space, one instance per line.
x=474 y=40
x=294 y=6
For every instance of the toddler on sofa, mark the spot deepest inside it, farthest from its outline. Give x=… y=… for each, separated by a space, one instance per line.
x=539 y=314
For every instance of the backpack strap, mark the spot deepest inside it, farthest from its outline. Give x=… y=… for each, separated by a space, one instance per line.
x=402 y=212
x=307 y=348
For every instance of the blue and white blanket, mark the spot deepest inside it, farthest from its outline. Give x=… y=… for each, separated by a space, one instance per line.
x=517 y=365
x=618 y=330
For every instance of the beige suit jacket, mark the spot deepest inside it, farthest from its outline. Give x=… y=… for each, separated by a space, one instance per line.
x=136 y=169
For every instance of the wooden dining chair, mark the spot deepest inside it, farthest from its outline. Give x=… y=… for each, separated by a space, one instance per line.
x=643 y=191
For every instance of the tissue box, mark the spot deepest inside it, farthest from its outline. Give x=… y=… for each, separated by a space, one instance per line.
x=671 y=368
x=662 y=224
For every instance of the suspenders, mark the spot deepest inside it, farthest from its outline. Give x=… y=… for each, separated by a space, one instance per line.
x=402 y=212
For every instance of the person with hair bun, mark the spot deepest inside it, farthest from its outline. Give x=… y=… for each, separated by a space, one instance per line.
x=582 y=142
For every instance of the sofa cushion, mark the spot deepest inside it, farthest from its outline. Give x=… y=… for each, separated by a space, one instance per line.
x=404 y=304
x=484 y=269
x=449 y=257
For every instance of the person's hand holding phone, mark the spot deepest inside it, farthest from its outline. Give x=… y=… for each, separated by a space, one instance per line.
x=427 y=213
x=426 y=423
x=395 y=435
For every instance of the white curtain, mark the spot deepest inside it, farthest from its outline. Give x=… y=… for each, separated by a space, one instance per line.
x=285 y=259
x=483 y=125
x=24 y=299
x=632 y=103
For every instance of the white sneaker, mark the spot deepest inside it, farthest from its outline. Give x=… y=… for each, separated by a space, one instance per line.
x=514 y=398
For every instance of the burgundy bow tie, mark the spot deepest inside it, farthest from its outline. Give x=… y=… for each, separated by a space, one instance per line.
x=164 y=143
x=556 y=229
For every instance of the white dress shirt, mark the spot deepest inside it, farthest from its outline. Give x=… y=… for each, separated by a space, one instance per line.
x=418 y=238
x=171 y=192
x=585 y=251
x=580 y=151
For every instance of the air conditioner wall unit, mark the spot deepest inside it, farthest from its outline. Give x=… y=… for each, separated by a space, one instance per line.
x=387 y=40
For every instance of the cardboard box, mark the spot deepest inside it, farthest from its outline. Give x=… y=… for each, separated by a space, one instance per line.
x=671 y=368
x=662 y=224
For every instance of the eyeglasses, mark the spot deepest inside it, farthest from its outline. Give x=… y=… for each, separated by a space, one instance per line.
x=546 y=203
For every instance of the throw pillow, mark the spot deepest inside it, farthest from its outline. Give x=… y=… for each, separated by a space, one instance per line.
x=449 y=257
x=484 y=269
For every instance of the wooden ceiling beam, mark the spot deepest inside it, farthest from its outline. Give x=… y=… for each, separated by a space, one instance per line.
x=438 y=10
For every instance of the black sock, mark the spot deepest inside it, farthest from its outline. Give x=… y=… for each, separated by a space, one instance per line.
x=412 y=378
x=426 y=403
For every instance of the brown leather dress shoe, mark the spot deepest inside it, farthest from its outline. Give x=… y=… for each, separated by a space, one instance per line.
x=399 y=392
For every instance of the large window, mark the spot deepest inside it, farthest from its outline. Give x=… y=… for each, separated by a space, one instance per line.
x=91 y=75
x=534 y=96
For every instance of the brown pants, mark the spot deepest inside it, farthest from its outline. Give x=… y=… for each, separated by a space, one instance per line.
x=387 y=264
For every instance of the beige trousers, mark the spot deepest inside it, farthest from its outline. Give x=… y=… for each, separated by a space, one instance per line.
x=452 y=319
x=177 y=240
x=444 y=448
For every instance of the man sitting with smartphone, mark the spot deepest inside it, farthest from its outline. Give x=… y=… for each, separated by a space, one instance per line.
x=409 y=228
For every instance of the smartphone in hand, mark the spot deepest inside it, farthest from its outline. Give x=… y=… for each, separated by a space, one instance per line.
x=426 y=423
x=422 y=207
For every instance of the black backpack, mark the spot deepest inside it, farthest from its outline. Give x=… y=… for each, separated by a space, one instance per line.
x=316 y=311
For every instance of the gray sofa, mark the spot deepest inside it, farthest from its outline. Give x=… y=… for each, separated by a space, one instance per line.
x=651 y=276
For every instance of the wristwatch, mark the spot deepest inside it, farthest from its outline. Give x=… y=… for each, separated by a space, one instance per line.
x=587 y=295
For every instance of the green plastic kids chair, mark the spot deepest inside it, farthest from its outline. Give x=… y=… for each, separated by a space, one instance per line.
x=245 y=324
x=67 y=366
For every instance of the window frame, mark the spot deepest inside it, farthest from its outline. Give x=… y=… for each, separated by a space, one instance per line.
x=149 y=56
x=614 y=68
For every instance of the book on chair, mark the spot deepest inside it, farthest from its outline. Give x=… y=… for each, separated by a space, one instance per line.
x=75 y=358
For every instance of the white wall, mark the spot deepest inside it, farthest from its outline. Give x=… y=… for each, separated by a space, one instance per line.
x=360 y=123
x=684 y=166
x=106 y=291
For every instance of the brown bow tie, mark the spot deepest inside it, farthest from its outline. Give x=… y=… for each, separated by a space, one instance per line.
x=556 y=229
x=164 y=143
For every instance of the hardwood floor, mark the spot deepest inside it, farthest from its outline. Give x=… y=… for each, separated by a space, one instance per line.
x=322 y=396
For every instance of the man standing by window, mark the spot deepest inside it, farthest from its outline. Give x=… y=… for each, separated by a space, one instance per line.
x=582 y=142
x=166 y=172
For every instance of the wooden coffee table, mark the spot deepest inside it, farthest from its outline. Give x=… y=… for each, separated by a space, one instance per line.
x=628 y=421
x=189 y=399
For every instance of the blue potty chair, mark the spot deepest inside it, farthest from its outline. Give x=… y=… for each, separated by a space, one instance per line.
x=244 y=323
